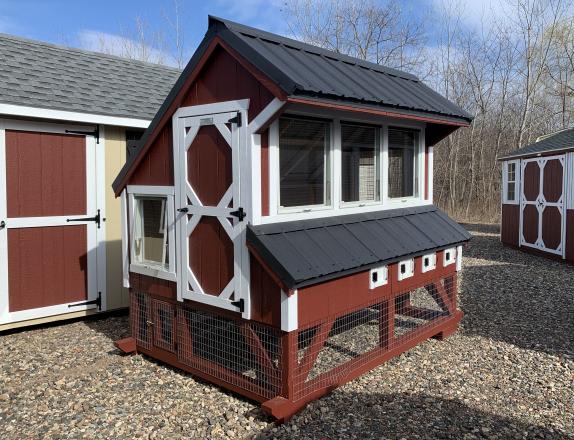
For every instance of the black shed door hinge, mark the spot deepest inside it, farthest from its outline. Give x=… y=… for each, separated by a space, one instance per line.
x=97 y=219
x=95 y=133
x=240 y=214
x=240 y=304
x=236 y=120
x=97 y=301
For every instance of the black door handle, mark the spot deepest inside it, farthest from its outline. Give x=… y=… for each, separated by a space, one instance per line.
x=2 y=224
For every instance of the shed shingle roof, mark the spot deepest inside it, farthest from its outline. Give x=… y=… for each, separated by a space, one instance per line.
x=311 y=251
x=563 y=140
x=42 y=75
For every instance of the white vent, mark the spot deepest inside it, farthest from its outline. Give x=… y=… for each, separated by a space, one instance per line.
x=429 y=262
x=449 y=256
x=378 y=277
x=406 y=269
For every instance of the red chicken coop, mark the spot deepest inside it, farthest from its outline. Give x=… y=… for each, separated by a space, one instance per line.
x=280 y=237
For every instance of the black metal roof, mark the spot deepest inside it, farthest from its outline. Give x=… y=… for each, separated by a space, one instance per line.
x=306 y=71
x=557 y=142
x=307 y=252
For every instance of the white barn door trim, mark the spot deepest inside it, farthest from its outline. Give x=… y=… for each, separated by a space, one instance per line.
x=187 y=122
x=541 y=203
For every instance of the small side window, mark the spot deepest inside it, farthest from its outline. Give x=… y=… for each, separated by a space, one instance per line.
x=152 y=233
x=406 y=269
x=378 y=277
x=449 y=256
x=429 y=262
x=510 y=182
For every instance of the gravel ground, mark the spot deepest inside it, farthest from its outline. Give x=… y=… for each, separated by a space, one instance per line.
x=509 y=373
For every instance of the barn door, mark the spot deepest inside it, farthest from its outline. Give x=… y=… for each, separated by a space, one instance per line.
x=49 y=222
x=542 y=204
x=211 y=218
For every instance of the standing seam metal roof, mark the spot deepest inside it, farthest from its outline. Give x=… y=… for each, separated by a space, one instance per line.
x=311 y=71
x=42 y=75
x=563 y=140
x=307 y=252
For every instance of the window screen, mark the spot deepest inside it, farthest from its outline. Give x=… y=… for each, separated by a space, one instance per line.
x=359 y=163
x=150 y=234
x=303 y=162
x=403 y=163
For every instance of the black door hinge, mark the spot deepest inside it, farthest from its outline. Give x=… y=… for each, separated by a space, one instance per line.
x=95 y=218
x=95 y=133
x=236 y=120
x=240 y=214
x=97 y=301
x=239 y=304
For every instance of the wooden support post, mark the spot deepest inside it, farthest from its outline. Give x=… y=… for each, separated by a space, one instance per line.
x=260 y=352
x=387 y=323
x=289 y=363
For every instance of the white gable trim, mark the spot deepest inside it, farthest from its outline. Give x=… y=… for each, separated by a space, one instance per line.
x=63 y=115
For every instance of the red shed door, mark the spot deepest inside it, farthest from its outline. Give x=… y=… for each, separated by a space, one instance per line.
x=542 y=204
x=47 y=241
x=211 y=218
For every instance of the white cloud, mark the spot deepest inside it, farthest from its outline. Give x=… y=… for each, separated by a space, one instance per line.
x=122 y=46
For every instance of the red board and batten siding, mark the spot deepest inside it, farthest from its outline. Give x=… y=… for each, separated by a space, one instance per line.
x=510 y=224
x=341 y=295
x=221 y=78
x=45 y=177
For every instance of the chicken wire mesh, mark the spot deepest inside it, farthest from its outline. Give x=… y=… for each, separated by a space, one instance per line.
x=242 y=353
x=331 y=349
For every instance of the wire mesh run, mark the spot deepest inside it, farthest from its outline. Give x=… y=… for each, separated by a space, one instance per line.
x=332 y=349
x=243 y=353
x=239 y=352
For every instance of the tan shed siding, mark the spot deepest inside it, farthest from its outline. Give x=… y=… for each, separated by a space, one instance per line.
x=117 y=295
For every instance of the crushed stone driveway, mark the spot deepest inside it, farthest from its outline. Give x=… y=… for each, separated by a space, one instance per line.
x=508 y=373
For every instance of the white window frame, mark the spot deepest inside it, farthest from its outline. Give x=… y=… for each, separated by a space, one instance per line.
x=327 y=178
x=378 y=164
x=134 y=191
x=337 y=207
x=432 y=262
x=382 y=277
x=505 y=181
x=418 y=185
x=448 y=256
x=409 y=269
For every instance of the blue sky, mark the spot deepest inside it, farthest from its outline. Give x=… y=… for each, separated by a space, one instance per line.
x=83 y=23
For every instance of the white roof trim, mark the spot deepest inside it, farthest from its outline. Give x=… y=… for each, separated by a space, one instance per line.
x=36 y=112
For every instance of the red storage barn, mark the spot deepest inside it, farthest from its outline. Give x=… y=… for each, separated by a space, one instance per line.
x=280 y=236
x=538 y=197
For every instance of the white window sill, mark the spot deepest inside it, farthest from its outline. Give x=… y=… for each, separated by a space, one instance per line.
x=152 y=271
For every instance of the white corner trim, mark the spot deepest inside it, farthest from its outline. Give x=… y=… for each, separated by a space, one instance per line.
x=289 y=310
x=458 y=258
x=430 y=170
x=267 y=113
x=63 y=115
x=125 y=238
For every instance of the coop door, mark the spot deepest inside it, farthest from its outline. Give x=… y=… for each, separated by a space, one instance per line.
x=211 y=218
x=542 y=204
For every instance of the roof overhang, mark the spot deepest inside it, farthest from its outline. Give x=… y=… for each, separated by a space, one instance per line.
x=537 y=153
x=63 y=115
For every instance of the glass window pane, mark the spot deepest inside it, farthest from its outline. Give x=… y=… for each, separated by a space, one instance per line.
x=359 y=163
x=511 y=172
x=150 y=234
x=403 y=163
x=510 y=192
x=303 y=162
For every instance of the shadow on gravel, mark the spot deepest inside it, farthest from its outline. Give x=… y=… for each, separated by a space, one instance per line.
x=515 y=297
x=114 y=325
x=403 y=415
